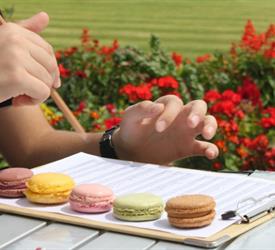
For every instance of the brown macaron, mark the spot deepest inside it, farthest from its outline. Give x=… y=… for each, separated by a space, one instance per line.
x=190 y=211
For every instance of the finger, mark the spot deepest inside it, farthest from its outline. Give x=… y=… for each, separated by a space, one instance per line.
x=16 y=34
x=210 y=127
x=197 y=110
x=143 y=110
x=37 y=90
x=44 y=59
x=38 y=71
x=57 y=80
x=203 y=148
x=36 y=23
x=173 y=106
x=35 y=38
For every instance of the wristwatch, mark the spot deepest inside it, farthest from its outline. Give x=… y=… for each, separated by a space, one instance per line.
x=107 y=149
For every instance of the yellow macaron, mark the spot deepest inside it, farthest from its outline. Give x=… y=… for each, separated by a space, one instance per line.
x=49 y=188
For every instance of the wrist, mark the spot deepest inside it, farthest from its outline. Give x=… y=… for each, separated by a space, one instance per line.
x=120 y=148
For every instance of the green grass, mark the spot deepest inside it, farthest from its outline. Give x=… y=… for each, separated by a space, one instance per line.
x=191 y=27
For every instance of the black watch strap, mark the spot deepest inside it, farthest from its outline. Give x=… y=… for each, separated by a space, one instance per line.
x=106 y=146
x=6 y=103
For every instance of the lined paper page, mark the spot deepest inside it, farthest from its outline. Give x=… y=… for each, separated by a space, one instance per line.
x=129 y=177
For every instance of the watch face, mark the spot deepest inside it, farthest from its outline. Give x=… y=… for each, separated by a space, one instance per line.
x=106 y=147
x=107 y=137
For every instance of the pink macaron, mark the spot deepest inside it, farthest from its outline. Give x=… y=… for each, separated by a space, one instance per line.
x=12 y=181
x=91 y=198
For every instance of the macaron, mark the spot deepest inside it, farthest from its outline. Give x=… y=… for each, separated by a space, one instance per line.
x=91 y=198
x=49 y=188
x=190 y=211
x=12 y=181
x=138 y=207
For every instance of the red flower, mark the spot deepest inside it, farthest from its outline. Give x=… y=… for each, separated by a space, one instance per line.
x=242 y=152
x=85 y=37
x=270 y=159
x=107 y=51
x=166 y=82
x=111 y=108
x=113 y=121
x=94 y=115
x=143 y=92
x=81 y=74
x=221 y=145
x=65 y=73
x=70 y=51
x=81 y=107
x=134 y=93
x=270 y=53
x=217 y=165
x=234 y=139
x=250 y=91
x=270 y=111
x=229 y=95
x=268 y=122
x=247 y=142
x=270 y=32
x=203 y=58
x=260 y=143
x=129 y=91
x=177 y=58
x=58 y=55
x=96 y=126
x=229 y=127
x=224 y=107
x=239 y=114
x=54 y=121
x=250 y=39
x=211 y=96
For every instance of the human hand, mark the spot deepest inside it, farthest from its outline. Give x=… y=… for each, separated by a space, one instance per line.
x=165 y=130
x=28 y=68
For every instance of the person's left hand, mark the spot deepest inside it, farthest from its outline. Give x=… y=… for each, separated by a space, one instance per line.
x=165 y=130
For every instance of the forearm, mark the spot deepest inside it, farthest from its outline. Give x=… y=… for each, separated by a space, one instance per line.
x=55 y=145
x=28 y=140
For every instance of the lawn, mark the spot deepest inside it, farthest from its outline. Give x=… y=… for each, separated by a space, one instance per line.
x=191 y=27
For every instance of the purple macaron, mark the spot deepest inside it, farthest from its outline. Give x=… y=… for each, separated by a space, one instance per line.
x=12 y=181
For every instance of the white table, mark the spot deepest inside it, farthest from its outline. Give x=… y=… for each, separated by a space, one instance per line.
x=18 y=232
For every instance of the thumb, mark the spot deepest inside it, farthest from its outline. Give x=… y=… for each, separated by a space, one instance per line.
x=36 y=23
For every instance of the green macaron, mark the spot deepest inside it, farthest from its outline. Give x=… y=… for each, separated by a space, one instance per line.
x=138 y=207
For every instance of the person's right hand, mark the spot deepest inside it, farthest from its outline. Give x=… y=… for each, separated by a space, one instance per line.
x=28 y=68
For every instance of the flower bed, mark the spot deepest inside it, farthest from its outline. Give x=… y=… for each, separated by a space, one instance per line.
x=100 y=81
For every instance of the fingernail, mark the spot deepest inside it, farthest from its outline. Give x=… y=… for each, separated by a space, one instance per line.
x=194 y=120
x=211 y=154
x=209 y=130
x=160 y=126
x=58 y=83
